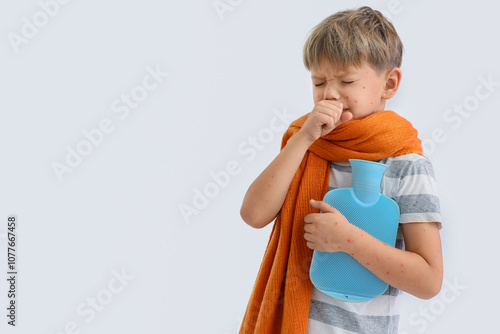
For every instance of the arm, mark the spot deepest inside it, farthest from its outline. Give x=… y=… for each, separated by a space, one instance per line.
x=417 y=270
x=266 y=194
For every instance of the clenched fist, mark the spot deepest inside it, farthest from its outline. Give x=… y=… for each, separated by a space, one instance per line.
x=324 y=118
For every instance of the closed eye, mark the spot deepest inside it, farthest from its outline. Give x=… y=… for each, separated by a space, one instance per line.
x=317 y=85
x=347 y=82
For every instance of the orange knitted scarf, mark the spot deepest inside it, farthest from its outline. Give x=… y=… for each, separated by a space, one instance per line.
x=281 y=296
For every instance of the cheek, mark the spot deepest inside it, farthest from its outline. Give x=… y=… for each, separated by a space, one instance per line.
x=318 y=93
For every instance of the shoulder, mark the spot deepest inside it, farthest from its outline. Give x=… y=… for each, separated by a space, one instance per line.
x=411 y=183
x=408 y=165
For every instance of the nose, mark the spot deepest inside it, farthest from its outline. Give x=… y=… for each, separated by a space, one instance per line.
x=331 y=93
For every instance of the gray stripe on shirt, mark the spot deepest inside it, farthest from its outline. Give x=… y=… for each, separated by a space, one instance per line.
x=421 y=203
x=338 y=317
x=399 y=169
x=341 y=168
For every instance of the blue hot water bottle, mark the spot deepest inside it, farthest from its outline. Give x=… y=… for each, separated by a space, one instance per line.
x=339 y=274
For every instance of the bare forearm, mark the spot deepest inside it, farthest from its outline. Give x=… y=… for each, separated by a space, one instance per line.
x=405 y=270
x=266 y=194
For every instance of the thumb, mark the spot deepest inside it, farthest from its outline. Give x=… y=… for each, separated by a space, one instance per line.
x=345 y=117
x=323 y=206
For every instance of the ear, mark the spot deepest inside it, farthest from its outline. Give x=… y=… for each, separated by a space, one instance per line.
x=393 y=79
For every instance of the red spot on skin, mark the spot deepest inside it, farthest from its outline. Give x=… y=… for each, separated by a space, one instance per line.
x=364 y=87
x=347 y=97
x=402 y=271
x=348 y=240
x=352 y=254
x=387 y=273
x=326 y=242
x=355 y=101
x=367 y=263
x=336 y=223
x=319 y=96
x=362 y=234
x=338 y=247
x=402 y=265
x=269 y=185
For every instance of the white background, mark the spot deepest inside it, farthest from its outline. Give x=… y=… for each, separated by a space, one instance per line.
x=229 y=73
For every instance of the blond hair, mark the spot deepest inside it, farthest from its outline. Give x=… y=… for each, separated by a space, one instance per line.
x=352 y=36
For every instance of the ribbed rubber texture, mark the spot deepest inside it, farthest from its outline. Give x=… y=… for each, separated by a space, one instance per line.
x=339 y=274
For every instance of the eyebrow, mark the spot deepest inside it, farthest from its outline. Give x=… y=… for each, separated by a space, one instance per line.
x=339 y=74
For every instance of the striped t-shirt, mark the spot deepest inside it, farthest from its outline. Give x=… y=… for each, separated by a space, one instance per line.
x=409 y=180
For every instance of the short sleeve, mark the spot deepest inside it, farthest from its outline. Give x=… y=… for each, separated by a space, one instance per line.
x=416 y=192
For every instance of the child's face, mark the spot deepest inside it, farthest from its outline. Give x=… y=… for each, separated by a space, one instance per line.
x=359 y=89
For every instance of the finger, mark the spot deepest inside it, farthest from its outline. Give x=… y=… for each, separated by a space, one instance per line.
x=345 y=117
x=326 y=121
x=310 y=218
x=308 y=228
x=330 y=108
x=331 y=103
x=323 y=206
x=310 y=245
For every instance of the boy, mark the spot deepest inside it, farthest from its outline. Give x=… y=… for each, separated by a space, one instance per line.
x=354 y=57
